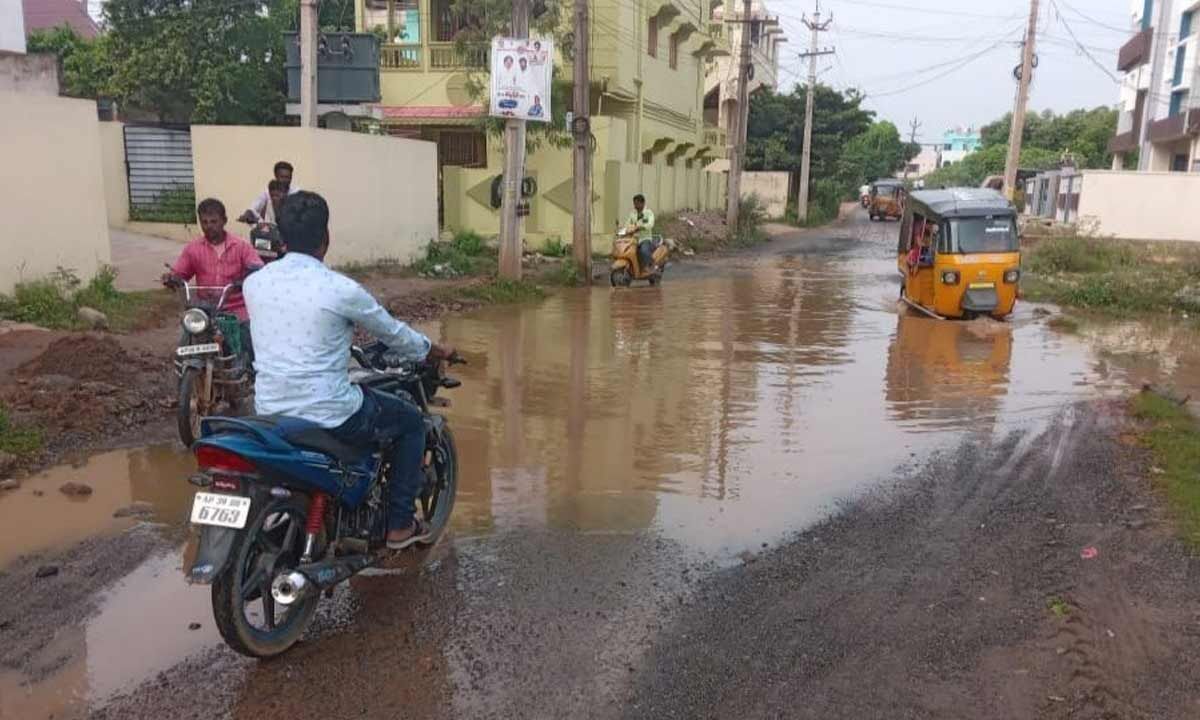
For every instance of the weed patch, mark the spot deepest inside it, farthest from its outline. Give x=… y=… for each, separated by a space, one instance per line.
x=1173 y=436
x=500 y=291
x=16 y=439
x=466 y=254
x=54 y=301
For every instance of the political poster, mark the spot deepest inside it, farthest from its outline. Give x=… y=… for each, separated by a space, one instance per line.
x=521 y=71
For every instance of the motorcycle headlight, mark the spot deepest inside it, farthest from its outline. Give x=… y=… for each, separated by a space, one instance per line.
x=1012 y=276
x=195 y=321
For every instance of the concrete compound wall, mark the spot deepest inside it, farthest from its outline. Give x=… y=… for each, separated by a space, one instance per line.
x=1141 y=205
x=382 y=191
x=35 y=74
x=12 y=26
x=771 y=188
x=51 y=154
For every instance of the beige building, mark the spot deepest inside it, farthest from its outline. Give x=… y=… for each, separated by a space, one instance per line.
x=721 y=73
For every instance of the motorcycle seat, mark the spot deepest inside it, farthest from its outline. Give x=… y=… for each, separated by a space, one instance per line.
x=308 y=436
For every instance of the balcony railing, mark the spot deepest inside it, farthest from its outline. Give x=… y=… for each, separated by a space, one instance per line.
x=451 y=56
x=1136 y=51
x=714 y=136
x=401 y=58
x=1176 y=127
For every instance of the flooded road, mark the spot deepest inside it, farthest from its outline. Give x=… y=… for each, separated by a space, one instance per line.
x=609 y=438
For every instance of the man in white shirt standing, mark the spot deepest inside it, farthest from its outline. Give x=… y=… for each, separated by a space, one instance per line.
x=302 y=318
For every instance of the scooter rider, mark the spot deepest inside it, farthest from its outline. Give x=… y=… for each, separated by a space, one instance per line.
x=303 y=316
x=641 y=224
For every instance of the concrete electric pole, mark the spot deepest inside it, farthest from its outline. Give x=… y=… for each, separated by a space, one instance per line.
x=817 y=27
x=308 y=63
x=581 y=238
x=737 y=155
x=913 y=128
x=1017 y=130
x=514 y=170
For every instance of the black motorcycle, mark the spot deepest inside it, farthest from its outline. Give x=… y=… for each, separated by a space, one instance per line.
x=286 y=510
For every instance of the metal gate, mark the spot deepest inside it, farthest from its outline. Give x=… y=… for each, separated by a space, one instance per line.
x=158 y=165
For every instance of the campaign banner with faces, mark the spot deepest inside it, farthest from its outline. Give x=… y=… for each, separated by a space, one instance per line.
x=521 y=75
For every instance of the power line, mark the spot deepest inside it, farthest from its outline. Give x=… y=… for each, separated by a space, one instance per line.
x=1097 y=23
x=931 y=11
x=1081 y=46
x=965 y=62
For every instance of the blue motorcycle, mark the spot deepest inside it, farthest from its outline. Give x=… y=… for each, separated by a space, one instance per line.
x=286 y=510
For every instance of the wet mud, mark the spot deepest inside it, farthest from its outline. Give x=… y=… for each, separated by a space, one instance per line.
x=638 y=463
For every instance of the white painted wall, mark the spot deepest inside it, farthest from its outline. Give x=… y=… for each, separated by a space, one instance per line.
x=12 y=26
x=771 y=188
x=1141 y=205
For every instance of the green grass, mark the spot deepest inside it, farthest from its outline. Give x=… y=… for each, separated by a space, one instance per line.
x=1173 y=436
x=466 y=254
x=15 y=439
x=500 y=291
x=1058 y=606
x=1113 y=276
x=752 y=215
x=176 y=205
x=54 y=301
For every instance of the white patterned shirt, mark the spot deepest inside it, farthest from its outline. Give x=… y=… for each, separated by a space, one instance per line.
x=302 y=318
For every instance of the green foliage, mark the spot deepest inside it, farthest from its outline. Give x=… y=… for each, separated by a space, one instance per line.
x=555 y=247
x=1058 y=606
x=752 y=215
x=85 y=63
x=1083 y=133
x=1115 y=276
x=1174 y=439
x=204 y=61
x=16 y=439
x=775 y=135
x=876 y=153
x=466 y=254
x=501 y=291
x=54 y=301
x=976 y=167
x=177 y=205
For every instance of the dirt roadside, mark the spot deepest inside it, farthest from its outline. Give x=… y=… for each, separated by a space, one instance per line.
x=970 y=585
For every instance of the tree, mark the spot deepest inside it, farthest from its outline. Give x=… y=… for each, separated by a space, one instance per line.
x=973 y=169
x=775 y=135
x=204 y=61
x=877 y=153
x=85 y=63
x=1084 y=133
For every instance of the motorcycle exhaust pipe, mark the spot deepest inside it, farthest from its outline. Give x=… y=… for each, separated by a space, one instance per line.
x=289 y=588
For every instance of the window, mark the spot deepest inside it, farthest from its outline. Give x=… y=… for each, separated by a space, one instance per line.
x=1179 y=163
x=755 y=32
x=462 y=149
x=673 y=59
x=1177 y=99
x=652 y=37
x=982 y=235
x=949 y=146
x=1185 y=25
x=447 y=23
x=1147 y=11
x=1180 y=56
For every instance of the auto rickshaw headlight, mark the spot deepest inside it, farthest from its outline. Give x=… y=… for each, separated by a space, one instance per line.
x=1012 y=276
x=950 y=277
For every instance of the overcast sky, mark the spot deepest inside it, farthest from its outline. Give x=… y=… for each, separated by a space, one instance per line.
x=914 y=57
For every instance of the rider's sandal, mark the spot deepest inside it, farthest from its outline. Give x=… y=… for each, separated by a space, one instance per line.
x=421 y=534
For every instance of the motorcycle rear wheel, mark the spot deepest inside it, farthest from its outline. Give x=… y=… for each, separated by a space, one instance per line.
x=271 y=542
x=192 y=407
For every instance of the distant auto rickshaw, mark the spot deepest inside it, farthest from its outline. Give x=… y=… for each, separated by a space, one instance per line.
x=887 y=199
x=959 y=253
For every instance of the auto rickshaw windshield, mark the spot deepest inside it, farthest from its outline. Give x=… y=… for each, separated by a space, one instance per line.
x=982 y=235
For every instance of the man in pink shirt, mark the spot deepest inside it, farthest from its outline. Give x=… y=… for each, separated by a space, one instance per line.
x=216 y=259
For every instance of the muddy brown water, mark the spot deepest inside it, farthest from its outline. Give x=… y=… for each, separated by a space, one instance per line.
x=720 y=412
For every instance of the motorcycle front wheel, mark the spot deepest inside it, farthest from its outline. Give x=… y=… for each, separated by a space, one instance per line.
x=437 y=502
x=245 y=612
x=621 y=277
x=192 y=405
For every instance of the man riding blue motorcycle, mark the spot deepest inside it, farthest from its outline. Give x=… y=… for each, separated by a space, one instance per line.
x=302 y=318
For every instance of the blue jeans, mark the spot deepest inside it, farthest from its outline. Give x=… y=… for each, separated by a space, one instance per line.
x=386 y=418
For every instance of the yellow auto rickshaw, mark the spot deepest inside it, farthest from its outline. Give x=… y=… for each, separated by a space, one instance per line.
x=887 y=200
x=959 y=253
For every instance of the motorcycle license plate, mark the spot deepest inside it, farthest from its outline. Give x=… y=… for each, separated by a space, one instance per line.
x=229 y=511
x=205 y=349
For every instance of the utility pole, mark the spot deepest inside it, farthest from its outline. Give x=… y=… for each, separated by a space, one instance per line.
x=817 y=27
x=581 y=240
x=733 y=202
x=1017 y=130
x=308 y=63
x=913 y=127
x=514 y=170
